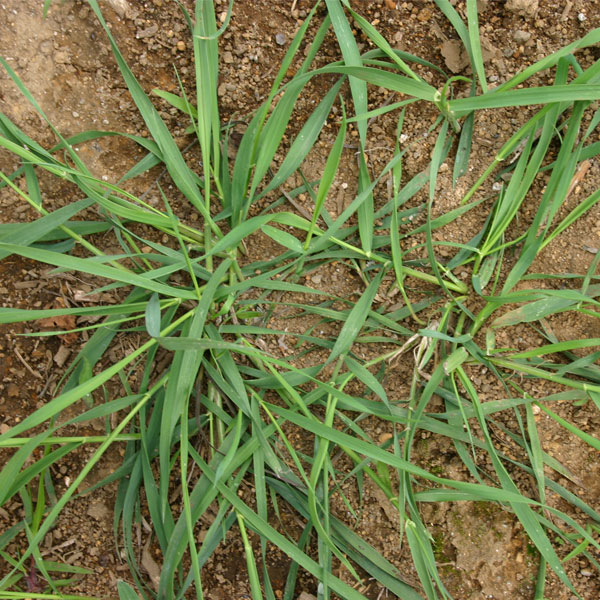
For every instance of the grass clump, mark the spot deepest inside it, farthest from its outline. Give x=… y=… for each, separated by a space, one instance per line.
x=223 y=386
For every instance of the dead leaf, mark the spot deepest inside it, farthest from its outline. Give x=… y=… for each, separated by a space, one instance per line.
x=60 y=358
x=455 y=55
x=61 y=322
x=151 y=567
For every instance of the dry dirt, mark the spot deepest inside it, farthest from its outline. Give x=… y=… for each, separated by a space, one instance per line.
x=66 y=63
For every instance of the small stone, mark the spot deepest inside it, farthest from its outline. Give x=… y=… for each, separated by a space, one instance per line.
x=280 y=39
x=227 y=57
x=148 y=32
x=521 y=36
x=180 y=46
x=316 y=279
x=61 y=57
x=424 y=15
x=75 y=114
x=523 y=8
x=384 y=437
x=98 y=511
x=581 y=18
x=13 y=390
x=121 y=7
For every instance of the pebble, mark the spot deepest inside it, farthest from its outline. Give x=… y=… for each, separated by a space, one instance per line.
x=180 y=46
x=46 y=47
x=581 y=17
x=280 y=39
x=98 y=511
x=148 y=32
x=424 y=15
x=521 y=36
x=523 y=8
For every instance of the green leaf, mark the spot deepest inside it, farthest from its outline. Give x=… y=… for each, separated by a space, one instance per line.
x=177 y=101
x=329 y=173
x=285 y=239
x=456 y=359
x=538 y=309
x=356 y=319
x=476 y=58
x=226 y=460
x=152 y=316
x=126 y=592
x=83 y=265
x=26 y=234
x=366 y=377
x=463 y=152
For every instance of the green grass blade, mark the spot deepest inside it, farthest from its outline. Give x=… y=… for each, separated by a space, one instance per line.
x=305 y=140
x=476 y=58
x=174 y=161
x=329 y=172
x=381 y=43
x=356 y=319
x=73 y=263
x=526 y=96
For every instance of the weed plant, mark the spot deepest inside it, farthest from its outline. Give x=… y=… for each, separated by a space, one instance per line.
x=239 y=398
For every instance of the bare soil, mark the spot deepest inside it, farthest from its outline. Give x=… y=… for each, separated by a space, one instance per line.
x=66 y=63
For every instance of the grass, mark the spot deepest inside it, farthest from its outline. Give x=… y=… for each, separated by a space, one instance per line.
x=223 y=383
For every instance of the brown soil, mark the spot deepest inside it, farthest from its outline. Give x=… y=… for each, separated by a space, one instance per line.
x=66 y=63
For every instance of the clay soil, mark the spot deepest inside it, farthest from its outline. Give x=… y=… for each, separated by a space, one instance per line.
x=66 y=63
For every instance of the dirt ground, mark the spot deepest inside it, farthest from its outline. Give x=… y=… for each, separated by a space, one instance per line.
x=66 y=63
